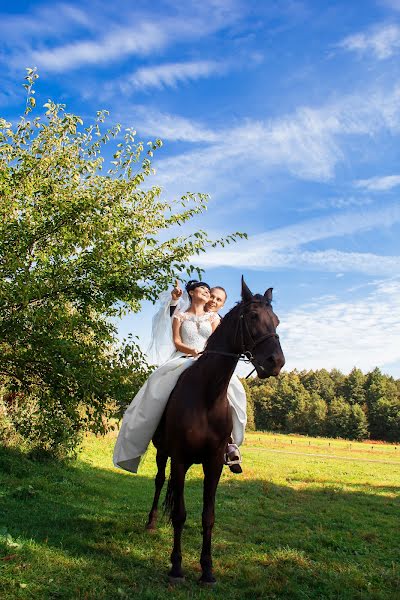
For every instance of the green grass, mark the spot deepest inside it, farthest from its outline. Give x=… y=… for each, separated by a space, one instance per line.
x=309 y=518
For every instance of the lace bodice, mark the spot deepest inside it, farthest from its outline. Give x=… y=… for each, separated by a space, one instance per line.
x=194 y=330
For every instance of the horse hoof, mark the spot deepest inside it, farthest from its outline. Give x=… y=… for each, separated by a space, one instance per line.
x=150 y=528
x=175 y=580
x=207 y=583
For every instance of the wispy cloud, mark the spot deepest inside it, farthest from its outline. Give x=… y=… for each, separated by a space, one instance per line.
x=308 y=144
x=169 y=127
x=382 y=41
x=64 y=37
x=317 y=335
x=45 y=20
x=121 y=42
x=339 y=202
x=340 y=224
x=378 y=184
x=169 y=74
x=287 y=247
x=329 y=261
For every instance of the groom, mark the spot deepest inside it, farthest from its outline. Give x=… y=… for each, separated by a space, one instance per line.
x=217 y=300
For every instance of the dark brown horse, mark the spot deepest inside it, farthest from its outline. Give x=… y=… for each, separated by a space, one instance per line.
x=197 y=422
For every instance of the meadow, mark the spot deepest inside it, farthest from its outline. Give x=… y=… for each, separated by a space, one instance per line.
x=308 y=518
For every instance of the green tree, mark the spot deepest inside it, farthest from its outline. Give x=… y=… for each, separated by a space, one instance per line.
x=353 y=388
x=266 y=415
x=384 y=419
x=79 y=247
x=357 y=426
x=275 y=399
x=320 y=382
x=337 y=418
x=346 y=421
x=338 y=379
x=383 y=401
x=309 y=415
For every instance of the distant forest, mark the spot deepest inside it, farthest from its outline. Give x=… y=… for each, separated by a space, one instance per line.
x=357 y=406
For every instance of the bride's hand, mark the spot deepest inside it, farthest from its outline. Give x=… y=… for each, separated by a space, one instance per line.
x=176 y=292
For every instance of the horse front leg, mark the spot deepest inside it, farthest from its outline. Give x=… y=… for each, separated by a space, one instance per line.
x=176 y=500
x=212 y=473
x=161 y=459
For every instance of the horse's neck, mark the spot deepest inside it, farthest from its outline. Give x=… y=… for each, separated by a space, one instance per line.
x=218 y=372
x=220 y=362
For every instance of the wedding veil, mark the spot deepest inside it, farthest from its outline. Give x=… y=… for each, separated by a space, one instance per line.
x=161 y=347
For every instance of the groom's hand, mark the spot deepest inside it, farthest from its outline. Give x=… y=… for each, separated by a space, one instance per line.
x=176 y=292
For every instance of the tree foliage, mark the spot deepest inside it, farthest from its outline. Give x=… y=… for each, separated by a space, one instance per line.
x=80 y=244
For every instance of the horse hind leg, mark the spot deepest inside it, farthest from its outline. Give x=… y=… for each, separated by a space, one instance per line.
x=212 y=473
x=161 y=459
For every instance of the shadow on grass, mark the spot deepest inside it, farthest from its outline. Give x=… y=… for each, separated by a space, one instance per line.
x=76 y=531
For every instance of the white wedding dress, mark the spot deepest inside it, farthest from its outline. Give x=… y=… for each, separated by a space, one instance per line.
x=143 y=415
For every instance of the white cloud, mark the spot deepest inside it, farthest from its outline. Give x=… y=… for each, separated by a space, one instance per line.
x=171 y=127
x=379 y=184
x=286 y=247
x=130 y=31
x=308 y=143
x=119 y=43
x=343 y=334
x=170 y=74
x=335 y=260
x=53 y=19
x=340 y=202
x=327 y=261
x=383 y=41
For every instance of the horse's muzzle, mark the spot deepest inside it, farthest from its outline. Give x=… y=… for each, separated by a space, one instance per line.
x=270 y=367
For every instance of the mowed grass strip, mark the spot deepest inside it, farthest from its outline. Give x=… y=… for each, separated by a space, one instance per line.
x=292 y=526
x=367 y=450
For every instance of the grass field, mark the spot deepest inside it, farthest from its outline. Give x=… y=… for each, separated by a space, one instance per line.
x=309 y=518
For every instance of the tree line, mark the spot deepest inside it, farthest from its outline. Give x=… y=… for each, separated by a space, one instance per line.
x=356 y=406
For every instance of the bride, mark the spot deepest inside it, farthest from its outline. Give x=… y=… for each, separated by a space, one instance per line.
x=191 y=329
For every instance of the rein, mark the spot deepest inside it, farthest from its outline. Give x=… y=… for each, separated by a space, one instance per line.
x=245 y=355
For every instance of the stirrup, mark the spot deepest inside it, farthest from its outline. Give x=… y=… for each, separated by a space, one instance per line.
x=232 y=448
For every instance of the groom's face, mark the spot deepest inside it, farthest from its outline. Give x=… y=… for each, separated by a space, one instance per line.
x=217 y=299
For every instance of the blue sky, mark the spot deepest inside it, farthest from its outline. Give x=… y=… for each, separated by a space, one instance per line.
x=286 y=112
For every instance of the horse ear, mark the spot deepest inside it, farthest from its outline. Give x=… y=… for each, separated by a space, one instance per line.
x=246 y=293
x=268 y=295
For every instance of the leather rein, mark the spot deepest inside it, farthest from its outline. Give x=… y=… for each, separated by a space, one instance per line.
x=245 y=354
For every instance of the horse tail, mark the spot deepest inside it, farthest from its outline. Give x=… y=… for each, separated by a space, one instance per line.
x=168 y=504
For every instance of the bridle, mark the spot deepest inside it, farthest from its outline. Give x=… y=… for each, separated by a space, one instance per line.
x=245 y=354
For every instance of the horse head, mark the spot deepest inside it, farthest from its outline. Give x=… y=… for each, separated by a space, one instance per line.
x=257 y=337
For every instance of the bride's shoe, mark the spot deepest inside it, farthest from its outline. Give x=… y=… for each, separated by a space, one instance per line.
x=233 y=458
